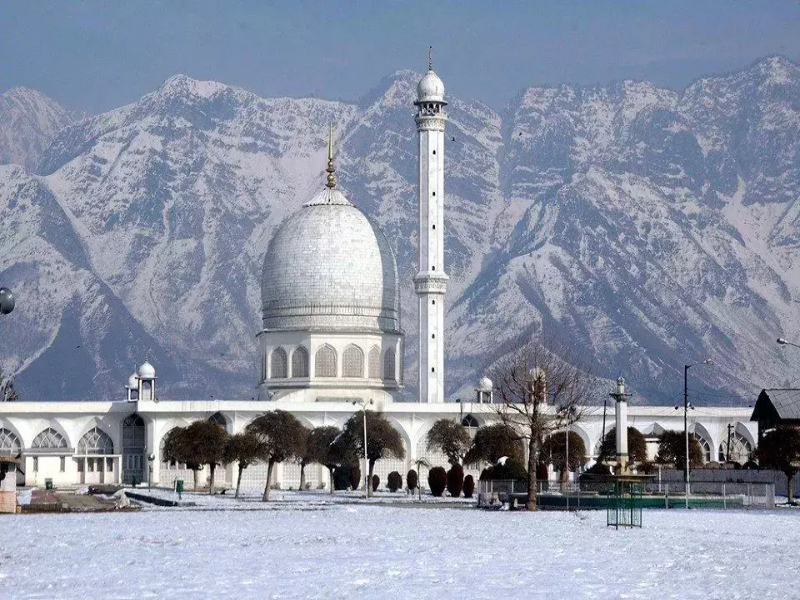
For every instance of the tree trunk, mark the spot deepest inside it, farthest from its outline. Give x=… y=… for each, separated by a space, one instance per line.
x=533 y=453
x=194 y=475
x=790 y=486
x=239 y=480
x=369 y=477
x=265 y=497
x=213 y=467
x=330 y=478
x=302 y=476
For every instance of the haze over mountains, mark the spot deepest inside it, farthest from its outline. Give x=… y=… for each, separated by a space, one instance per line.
x=648 y=227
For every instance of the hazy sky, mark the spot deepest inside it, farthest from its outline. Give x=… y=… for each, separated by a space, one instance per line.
x=93 y=56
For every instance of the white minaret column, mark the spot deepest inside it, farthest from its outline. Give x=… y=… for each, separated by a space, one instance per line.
x=621 y=412
x=430 y=282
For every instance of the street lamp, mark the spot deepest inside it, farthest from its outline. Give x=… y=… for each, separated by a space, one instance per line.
x=363 y=404
x=686 y=368
x=784 y=342
x=6 y=301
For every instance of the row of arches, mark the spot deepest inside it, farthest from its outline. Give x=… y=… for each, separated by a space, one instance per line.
x=295 y=363
x=94 y=441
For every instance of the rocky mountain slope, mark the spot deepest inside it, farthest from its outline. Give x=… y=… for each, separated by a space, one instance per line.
x=647 y=228
x=29 y=121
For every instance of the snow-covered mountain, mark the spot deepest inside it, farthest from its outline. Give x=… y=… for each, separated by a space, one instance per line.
x=29 y=121
x=649 y=228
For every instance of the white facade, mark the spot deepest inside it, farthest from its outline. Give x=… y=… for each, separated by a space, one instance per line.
x=136 y=431
x=431 y=280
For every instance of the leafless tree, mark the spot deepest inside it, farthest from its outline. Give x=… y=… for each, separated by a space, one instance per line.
x=541 y=387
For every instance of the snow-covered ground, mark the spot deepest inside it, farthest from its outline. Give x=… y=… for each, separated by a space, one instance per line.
x=335 y=551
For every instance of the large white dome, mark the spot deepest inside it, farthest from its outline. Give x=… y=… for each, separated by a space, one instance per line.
x=329 y=267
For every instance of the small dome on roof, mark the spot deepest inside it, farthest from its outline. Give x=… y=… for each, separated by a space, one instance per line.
x=147 y=371
x=430 y=87
x=133 y=381
x=485 y=384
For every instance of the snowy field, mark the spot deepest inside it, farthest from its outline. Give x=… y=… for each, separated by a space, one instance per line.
x=335 y=551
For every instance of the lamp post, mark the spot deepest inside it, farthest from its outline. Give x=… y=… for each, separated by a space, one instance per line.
x=686 y=368
x=784 y=342
x=568 y=413
x=363 y=404
x=6 y=301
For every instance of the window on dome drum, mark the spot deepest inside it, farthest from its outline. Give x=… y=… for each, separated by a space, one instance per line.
x=300 y=362
x=9 y=443
x=49 y=438
x=739 y=451
x=218 y=419
x=389 y=365
x=353 y=362
x=325 y=362
x=95 y=441
x=278 y=364
x=374 y=363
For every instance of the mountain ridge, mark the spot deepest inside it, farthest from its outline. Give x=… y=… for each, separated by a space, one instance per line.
x=631 y=220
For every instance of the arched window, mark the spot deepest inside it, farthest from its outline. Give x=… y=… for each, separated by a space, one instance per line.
x=9 y=443
x=705 y=446
x=165 y=464
x=739 y=451
x=470 y=422
x=278 y=364
x=374 y=360
x=353 y=362
x=48 y=439
x=325 y=362
x=95 y=441
x=300 y=362
x=389 y=365
x=218 y=419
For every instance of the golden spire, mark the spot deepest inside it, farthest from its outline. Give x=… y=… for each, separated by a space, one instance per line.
x=430 y=58
x=331 y=169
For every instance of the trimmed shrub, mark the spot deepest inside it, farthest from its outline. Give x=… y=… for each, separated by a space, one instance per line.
x=412 y=480
x=355 y=476
x=437 y=480
x=394 y=481
x=376 y=481
x=469 y=486
x=455 y=480
x=341 y=478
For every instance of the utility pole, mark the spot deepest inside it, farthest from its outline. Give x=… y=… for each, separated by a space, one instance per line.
x=728 y=444
x=363 y=404
x=603 y=432
x=686 y=423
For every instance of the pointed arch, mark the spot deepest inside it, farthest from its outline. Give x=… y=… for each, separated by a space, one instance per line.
x=219 y=419
x=353 y=361
x=325 y=362
x=300 y=362
x=49 y=439
x=9 y=442
x=374 y=363
x=95 y=441
x=703 y=437
x=390 y=365
x=470 y=422
x=278 y=364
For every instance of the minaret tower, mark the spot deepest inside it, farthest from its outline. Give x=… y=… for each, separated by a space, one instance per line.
x=430 y=282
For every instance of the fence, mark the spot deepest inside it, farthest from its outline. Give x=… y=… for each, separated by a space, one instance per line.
x=597 y=495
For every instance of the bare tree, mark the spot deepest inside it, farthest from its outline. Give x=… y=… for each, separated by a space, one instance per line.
x=541 y=388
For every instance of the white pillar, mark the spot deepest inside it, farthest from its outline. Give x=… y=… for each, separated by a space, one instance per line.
x=430 y=282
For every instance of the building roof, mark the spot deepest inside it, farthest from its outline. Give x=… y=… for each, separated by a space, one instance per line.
x=777 y=405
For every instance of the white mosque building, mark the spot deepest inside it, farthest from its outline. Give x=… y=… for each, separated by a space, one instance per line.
x=331 y=336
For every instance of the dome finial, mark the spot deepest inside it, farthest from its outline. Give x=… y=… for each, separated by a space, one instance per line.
x=331 y=169
x=430 y=58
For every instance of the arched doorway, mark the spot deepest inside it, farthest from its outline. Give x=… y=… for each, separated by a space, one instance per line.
x=134 y=459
